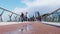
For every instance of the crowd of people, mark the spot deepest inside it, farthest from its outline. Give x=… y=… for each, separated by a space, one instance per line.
x=25 y=18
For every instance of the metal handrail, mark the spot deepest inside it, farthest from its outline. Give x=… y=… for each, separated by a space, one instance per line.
x=9 y=11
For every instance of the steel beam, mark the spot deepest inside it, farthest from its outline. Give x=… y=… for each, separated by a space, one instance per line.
x=8 y=11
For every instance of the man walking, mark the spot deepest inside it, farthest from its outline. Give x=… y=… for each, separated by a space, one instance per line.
x=22 y=17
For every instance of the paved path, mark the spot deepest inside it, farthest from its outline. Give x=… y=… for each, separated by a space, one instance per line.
x=33 y=28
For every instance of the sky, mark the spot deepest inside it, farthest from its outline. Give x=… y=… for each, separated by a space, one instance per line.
x=30 y=6
x=11 y=4
x=27 y=4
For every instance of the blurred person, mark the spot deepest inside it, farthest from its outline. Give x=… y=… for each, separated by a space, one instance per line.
x=22 y=16
x=26 y=18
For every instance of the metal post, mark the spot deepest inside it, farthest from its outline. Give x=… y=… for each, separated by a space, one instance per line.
x=10 y=17
x=15 y=18
x=1 y=16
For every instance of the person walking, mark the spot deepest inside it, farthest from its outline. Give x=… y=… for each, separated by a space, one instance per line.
x=26 y=19
x=22 y=17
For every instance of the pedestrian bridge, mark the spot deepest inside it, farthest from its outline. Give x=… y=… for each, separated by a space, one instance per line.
x=9 y=16
x=28 y=28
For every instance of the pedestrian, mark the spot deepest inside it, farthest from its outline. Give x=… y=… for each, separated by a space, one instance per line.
x=22 y=17
x=26 y=19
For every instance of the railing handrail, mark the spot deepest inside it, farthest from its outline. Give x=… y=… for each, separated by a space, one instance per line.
x=9 y=11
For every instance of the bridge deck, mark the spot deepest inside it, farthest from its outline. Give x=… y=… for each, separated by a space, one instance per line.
x=36 y=28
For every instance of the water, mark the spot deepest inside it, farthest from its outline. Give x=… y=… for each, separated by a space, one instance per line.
x=29 y=27
x=21 y=30
x=18 y=31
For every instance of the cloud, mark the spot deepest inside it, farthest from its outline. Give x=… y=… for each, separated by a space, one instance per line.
x=42 y=3
x=20 y=10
